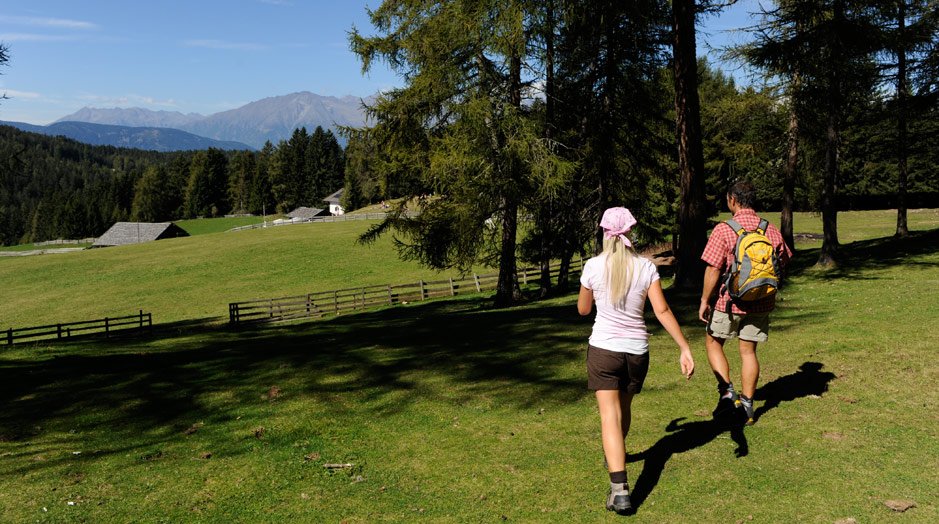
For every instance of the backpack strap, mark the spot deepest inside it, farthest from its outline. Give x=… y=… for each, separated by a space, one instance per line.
x=735 y=226
x=762 y=227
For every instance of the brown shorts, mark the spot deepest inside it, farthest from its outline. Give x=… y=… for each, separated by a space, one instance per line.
x=614 y=370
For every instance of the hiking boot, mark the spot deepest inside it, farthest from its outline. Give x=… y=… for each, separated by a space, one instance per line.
x=747 y=405
x=726 y=404
x=618 y=499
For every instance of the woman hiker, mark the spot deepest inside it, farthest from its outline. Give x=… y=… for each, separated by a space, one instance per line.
x=619 y=280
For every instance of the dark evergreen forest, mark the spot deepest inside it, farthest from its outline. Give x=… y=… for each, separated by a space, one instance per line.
x=54 y=187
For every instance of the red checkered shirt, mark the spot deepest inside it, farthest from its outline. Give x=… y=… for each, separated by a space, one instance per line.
x=719 y=253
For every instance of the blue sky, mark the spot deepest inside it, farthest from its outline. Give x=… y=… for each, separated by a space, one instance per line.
x=200 y=56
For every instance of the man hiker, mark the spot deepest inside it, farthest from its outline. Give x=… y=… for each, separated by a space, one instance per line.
x=738 y=297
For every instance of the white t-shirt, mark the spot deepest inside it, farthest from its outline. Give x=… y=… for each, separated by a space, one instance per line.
x=620 y=328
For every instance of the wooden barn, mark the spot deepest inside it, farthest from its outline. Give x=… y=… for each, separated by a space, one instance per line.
x=306 y=213
x=123 y=233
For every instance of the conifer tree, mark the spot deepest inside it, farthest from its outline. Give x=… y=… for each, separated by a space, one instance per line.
x=153 y=201
x=461 y=122
x=827 y=45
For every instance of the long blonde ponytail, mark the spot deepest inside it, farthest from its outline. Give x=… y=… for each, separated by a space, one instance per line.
x=620 y=261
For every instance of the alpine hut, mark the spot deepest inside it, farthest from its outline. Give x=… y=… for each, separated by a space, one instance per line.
x=123 y=233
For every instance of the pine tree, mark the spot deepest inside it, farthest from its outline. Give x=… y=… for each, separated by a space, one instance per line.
x=153 y=201
x=827 y=46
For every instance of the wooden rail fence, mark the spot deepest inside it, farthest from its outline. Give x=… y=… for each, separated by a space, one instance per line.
x=340 y=301
x=106 y=326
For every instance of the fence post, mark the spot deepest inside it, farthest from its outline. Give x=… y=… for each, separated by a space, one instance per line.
x=107 y=329
x=10 y=336
x=58 y=331
x=336 y=301
x=308 y=300
x=270 y=308
x=452 y=291
x=391 y=301
x=476 y=280
x=525 y=275
x=421 y=282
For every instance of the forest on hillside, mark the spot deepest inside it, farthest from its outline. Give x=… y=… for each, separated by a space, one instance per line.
x=54 y=187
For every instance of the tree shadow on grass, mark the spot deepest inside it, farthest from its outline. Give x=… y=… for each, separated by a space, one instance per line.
x=373 y=364
x=873 y=254
x=685 y=436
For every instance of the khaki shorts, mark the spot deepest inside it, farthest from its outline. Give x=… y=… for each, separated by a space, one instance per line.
x=753 y=327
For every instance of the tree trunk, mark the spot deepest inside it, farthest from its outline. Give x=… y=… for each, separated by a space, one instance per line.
x=507 y=291
x=902 y=94
x=792 y=165
x=692 y=214
x=828 y=257
x=508 y=280
x=546 y=214
x=564 y=271
x=605 y=151
x=829 y=253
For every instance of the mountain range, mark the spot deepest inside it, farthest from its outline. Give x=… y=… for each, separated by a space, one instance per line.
x=272 y=119
x=149 y=138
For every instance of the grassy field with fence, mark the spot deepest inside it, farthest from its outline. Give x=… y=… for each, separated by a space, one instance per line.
x=197 y=277
x=452 y=411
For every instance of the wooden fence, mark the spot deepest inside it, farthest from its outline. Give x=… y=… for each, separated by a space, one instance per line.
x=330 y=218
x=344 y=300
x=106 y=326
x=60 y=241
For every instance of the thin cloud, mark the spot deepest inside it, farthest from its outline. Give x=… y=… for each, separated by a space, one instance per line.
x=223 y=45
x=12 y=93
x=33 y=37
x=64 y=23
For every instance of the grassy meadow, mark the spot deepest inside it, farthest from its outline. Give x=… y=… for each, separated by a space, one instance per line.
x=203 y=226
x=196 y=277
x=452 y=411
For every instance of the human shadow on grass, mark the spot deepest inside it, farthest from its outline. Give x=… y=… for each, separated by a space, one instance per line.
x=685 y=436
x=375 y=364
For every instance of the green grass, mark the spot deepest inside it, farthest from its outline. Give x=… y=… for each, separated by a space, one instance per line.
x=34 y=247
x=202 y=226
x=196 y=277
x=451 y=411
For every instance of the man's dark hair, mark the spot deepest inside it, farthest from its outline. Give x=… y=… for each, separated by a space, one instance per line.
x=744 y=192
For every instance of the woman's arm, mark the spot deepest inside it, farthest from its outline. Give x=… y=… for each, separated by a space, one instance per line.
x=585 y=301
x=668 y=321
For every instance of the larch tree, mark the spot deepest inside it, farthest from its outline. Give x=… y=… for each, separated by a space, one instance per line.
x=461 y=121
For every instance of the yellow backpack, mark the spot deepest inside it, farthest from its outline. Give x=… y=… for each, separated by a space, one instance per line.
x=754 y=275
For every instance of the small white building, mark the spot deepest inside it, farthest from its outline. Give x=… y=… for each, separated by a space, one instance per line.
x=335 y=208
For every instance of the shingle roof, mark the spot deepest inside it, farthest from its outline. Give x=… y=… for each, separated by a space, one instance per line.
x=123 y=233
x=305 y=212
x=335 y=197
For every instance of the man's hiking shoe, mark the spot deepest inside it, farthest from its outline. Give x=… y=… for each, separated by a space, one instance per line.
x=747 y=405
x=618 y=499
x=726 y=405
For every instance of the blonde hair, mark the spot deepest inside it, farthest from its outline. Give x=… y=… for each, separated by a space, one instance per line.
x=620 y=261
